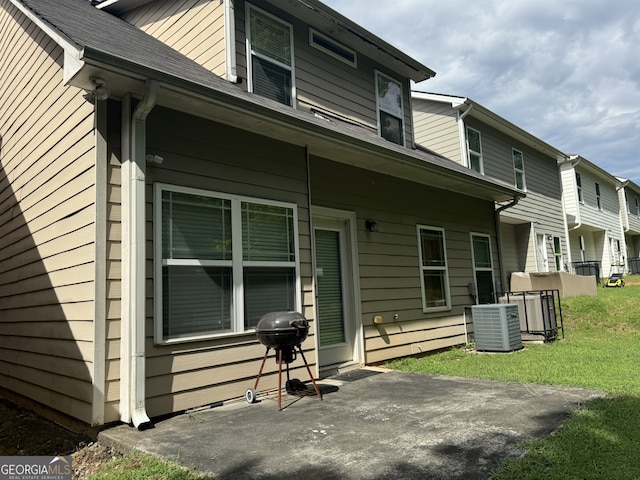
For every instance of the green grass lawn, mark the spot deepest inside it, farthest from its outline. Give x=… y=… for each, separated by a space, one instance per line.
x=601 y=350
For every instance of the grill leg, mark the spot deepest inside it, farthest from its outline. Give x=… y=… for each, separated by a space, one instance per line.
x=279 y=350
x=255 y=387
x=309 y=372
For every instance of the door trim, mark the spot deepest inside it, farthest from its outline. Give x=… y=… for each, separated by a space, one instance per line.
x=353 y=277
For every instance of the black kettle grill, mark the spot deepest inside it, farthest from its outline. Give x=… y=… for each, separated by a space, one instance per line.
x=284 y=332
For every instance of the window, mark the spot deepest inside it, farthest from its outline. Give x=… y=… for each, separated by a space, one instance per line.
x=598 y=198
x=557 y=252
x=483 y=268
x=270 y=54
x=583 y=253
x=434 y=276
x=637 y=206
x=333 y=48
x=579 y=187
x=518 y=169
x=475 y=150
x=221 y=262
x=390 y=109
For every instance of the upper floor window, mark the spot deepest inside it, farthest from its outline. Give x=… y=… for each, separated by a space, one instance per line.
x=222 y=262
x=518 y=169
x=332 y=48
x=270 y=54
x=579 y=187
x=390 y=108
x=598 y=197
x=475 y=150
x=434 y=277
x=637 y=206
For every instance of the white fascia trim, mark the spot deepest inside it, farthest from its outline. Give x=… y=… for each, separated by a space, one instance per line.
x=72 y=52
x=456 y=102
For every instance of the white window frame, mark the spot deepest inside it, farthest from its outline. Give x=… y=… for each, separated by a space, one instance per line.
x=251 y=53
x=444 y=269
x=380 y=108
x=637 y=206
x=518 y=171
x=237 y=263
x=337 y=46
x=582 y=247
x=469 y=151
x=598 y=197
x=579 y=188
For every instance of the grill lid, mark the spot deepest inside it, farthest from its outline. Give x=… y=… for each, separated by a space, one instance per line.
x=282 y=329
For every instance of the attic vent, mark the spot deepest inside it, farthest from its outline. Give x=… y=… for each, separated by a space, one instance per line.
x=331 y=47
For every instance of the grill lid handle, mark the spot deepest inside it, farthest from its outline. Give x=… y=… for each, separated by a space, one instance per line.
x=299 y=323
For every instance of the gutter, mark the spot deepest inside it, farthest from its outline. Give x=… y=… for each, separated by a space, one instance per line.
x=133 y=376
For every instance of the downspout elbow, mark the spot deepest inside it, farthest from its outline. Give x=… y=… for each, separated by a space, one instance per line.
x=513 y=203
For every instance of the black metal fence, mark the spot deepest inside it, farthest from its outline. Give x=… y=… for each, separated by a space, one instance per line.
x=540 y=312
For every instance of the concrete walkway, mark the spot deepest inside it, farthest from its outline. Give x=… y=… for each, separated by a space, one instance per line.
x=369 y=425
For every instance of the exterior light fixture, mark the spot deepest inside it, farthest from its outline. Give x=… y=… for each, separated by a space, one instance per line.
x=371 y=225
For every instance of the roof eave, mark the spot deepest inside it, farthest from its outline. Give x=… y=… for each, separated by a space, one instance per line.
x=320 y=136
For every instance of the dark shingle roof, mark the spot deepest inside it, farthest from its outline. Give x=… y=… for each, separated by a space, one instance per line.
x=93 y=30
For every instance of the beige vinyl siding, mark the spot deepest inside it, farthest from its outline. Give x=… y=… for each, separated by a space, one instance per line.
x=609 y=217
x=113 y=266
x=210 y=156
x=543 y=202
x=388 y=259
x=436 y=128
x=47 y=227
x=324 y=83
x=194 y=28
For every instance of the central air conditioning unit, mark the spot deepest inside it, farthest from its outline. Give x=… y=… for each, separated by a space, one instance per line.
x=496 y=327
x=537 y=312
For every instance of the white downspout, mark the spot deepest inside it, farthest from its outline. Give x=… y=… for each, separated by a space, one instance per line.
x=135 y=252
x=230 y=41
x=463 y=137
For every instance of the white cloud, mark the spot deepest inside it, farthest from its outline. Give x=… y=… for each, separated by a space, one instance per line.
x=565 y=70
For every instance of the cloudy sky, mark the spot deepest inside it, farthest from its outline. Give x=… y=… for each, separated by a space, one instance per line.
x=567 y=71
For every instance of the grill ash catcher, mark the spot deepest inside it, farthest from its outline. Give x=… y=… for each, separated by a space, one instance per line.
x=284 y=332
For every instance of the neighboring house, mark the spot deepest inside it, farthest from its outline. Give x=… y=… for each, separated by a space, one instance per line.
x=533 y=232
x=171 y=171
x=592 y=205
x=629 y=199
